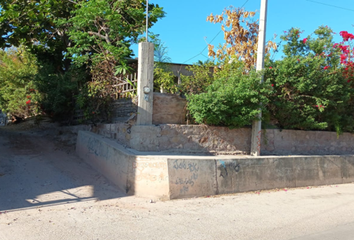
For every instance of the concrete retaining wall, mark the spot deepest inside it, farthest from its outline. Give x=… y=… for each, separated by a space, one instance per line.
x=136 y=175
x=173 y=176
x=192 y=177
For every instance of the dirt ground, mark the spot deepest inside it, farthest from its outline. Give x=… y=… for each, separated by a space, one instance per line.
x=47 y=192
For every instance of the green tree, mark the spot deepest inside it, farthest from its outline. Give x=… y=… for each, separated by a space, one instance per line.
x=102 y=33
x=103 y=30
x=34 y=24
x=71 y=37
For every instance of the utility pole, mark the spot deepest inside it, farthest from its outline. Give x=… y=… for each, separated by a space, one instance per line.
x=257 y=125
x=145 y=78
x=147 y=20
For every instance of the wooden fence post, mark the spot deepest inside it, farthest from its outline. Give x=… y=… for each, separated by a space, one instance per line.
x=145 y=83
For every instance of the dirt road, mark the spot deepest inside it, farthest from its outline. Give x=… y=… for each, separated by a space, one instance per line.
x=46 y=192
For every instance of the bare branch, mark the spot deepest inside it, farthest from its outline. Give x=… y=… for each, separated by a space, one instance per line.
x=101 y=36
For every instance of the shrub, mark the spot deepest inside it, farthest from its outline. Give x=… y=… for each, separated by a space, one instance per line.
x=59 y=90
x=18 y=96
x=164 y=79
x=202 y=77
x=233 y=100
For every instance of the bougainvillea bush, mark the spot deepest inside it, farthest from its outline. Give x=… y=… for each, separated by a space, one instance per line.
x=313 y=83
x=18 y=95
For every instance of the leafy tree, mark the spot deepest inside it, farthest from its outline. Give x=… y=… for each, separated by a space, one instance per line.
x=161 y=52
x=33 y=24
x=103 y=30
x=164 y=79
x=69 y=37
x=241 y=41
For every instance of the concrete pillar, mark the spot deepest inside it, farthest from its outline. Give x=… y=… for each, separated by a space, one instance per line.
x=145 y=82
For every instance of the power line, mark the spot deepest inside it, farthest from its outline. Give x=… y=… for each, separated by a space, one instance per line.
x=244 y=4
x=201 y=52
x=192 y=58
x=331 y=5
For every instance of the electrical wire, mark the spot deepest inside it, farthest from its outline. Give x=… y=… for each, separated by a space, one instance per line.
x=244 y=4
x=201 y=52
x=330 y=5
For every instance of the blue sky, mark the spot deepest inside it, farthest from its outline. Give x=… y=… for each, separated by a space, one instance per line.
x=185 y=31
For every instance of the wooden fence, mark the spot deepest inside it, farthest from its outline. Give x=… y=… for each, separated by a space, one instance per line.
x=122 y=93
x=126 y=86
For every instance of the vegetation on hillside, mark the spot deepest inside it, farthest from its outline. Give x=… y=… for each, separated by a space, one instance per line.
x=309 y=88
x=80 y=49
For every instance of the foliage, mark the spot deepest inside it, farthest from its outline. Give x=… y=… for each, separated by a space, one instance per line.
x=94 y=106
x=18 y=96
x=240 y=34
x=198 y=82
x=59 y=90
x=163 y=75
x=241 y=41
x=310 y=90
x=68 y=37
x=347 y=54
x=160 y=50
x=233 y=100
x=33 y=24
x=103 y=30
x=164 y=79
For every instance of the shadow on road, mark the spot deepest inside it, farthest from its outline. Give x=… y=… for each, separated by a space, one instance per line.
x=36 y=171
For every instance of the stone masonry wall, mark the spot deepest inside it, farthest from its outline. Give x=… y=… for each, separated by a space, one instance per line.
x=176 y=138
x=122 y=109
x=296 y=142
x=190 y=138
x=167 y=109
